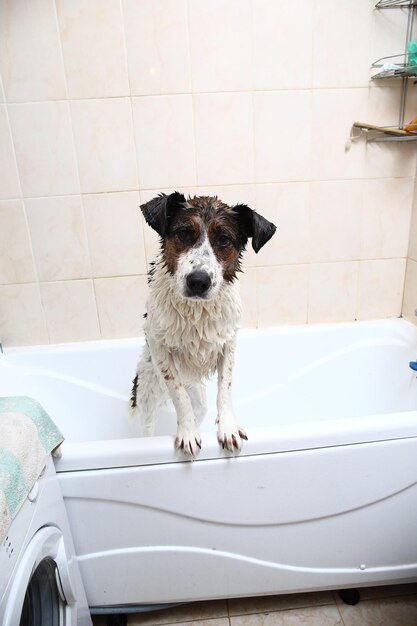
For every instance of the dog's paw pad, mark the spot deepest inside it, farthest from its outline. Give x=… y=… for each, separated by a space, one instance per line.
x=189 y=442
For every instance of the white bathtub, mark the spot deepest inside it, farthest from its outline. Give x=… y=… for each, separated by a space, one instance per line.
x=323 y=495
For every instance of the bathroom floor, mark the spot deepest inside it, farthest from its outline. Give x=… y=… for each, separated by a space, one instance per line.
x=379 y=606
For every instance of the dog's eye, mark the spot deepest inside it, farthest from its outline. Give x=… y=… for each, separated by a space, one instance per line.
x=185 y=235
x=223 y=240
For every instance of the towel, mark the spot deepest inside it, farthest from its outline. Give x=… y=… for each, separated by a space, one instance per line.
x=27 y=437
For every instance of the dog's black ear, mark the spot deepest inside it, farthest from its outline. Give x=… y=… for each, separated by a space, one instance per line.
x=158 y=210
x=255 y=226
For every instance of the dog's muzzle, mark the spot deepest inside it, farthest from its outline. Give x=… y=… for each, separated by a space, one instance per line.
x=198 y=284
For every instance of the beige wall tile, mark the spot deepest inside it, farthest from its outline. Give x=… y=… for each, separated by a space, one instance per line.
x=115 y=234
x=276 y=64
x=157 y=46
x=384 y=103
x=44 y=148
x=93 y=48
x=248 y=292
x=30 y=55
x=336 y=214
x=409 y=305
x=58 y=237
x=380 y=288
x=231 y=194
x=103 y=133
x=149 y=194
x=341 y=43
x=282 y=124
x=220 y=34
x=287 y=205
x=390 y=160
x=164 y=136
x=22 y=320
x=224 y=138
x=334 y=111
x=16 y=260
x=332 y=292
x=70 y=310
x=386 y=218
x=9 y=179
x=2 y=96
x=412 y=244
x=282 y=295
x=121 y=303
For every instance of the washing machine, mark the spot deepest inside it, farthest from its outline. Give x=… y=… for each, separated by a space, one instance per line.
x=40 y=581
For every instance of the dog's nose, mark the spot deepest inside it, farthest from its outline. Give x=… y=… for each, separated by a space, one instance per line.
x=198 y=282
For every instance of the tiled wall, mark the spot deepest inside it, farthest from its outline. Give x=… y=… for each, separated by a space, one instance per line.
x=104 y=103
x=409 y=309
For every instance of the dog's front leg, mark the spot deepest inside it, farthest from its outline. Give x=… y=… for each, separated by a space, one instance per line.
x=188 y=438
x=229 y=433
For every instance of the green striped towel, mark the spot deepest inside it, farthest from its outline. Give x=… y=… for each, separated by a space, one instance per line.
x=27 y=437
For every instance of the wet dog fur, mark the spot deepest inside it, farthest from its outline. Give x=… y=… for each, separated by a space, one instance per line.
x=193 y=312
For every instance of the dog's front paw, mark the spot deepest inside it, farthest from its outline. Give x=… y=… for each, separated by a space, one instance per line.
x=231 y=437
x=188 y=440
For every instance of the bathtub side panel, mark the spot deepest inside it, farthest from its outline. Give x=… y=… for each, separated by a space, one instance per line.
x=271 y=523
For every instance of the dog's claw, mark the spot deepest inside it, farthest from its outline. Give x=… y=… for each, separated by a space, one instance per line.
x=188 y=443
x=232 y=440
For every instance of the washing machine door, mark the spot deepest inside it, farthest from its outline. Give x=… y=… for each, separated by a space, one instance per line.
x=42 y=589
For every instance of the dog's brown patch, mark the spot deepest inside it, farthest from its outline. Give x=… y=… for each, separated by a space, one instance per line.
x=226 y=245
x=185 y=230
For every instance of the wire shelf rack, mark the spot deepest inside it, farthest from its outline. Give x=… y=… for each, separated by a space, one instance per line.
x=395 y=4
x=394 y=66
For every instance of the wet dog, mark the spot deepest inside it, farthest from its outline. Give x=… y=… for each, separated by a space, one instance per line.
x=193 y=312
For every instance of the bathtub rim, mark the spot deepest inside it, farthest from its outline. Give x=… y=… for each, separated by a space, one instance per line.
x=142 y=451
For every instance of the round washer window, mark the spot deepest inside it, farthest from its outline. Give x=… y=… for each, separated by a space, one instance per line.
x=43 y=605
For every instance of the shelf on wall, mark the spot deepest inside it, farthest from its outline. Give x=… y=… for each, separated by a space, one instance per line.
x=394 y=66
x=395 y=4
x=394 y=69
x=384 y=133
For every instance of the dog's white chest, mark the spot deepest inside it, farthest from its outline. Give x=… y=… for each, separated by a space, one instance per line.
x=194 y=333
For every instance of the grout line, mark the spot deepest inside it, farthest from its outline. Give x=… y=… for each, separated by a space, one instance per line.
x=122 y=18
x=13 y=151
x=61 y=51
x=191 y=83
x=37 y=282
x=340 y=614
x=138 y=190
x=74 y=148
x=214 y=187
x=199 y=93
